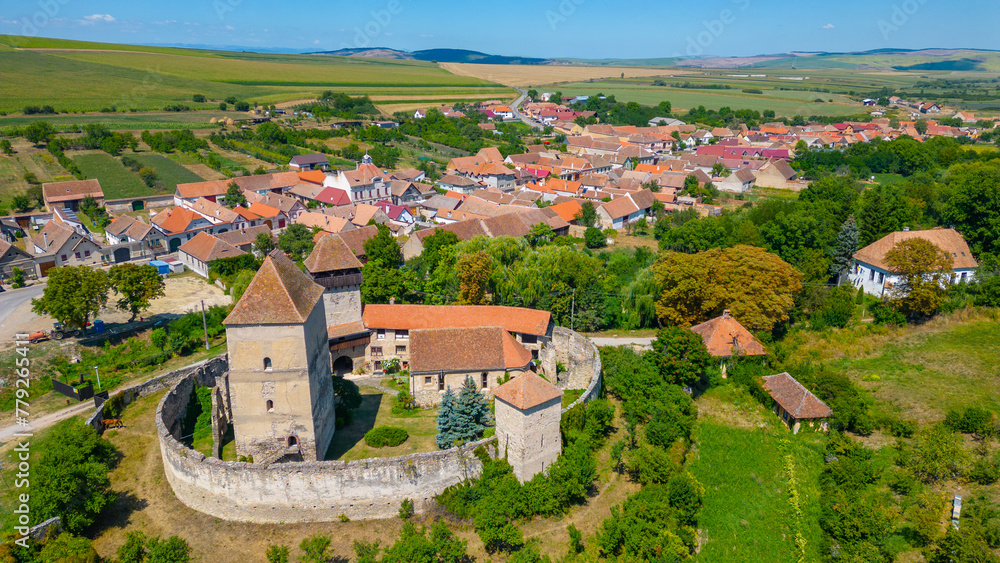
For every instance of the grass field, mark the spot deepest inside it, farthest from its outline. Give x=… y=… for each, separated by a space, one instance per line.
x=740 y=460
x=170 y=172
x=116 y=180
x=88 y=77
x=527 y=75
x=376 y=410
x=920 y=372
x=125 y=120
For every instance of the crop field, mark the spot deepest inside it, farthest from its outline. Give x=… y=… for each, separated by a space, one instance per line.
x=527 y=75
x=26 y=160
x=746 y=512
x=124 y=121
x=74 y=76
x=170 y=172
x=783 y=103
x=116 y=180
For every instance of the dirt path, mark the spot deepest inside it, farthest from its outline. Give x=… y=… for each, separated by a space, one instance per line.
x=47 y=420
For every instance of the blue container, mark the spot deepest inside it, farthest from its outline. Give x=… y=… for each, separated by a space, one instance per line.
x=162 y=267
x=98 y=326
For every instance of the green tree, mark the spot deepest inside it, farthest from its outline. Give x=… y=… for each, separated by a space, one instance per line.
x=383 y=246
x=149 y=176
x=921 y=126
x=680 y=355
x=39 y=132
x=158 y=338
x=471 y=412
x=924 y=270
x=935 y=454
x=70 y=479
x=170 y=550
x=240 y=284
x=447 y=429
x=20 y=203
x=587 y=215
x=234 y=196
x=473 y=271
x=434 y=248
x=67 y=548
x=6 y=147
x=277 y=554
x=382 y=283
x=263 y=244
x=847 y=245
x=595 y=238
x=974 y=207
x=16 y=277
x=134 y=548
x=757 y=286
x=136 y=285
x=296 y=241
x=314 y=549
x=73 y=295
x=540 y=233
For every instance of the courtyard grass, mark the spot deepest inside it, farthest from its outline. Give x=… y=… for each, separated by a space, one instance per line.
x=376 y=410
x=116 y=180
x=746 y=511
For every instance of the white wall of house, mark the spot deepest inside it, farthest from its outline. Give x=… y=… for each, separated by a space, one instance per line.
x=878 y=282
x=193 y=264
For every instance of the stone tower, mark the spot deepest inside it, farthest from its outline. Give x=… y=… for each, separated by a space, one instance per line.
x=280 y=389
x=528 y=410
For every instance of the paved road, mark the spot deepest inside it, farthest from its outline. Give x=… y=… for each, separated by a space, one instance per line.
x=624 y=341
x=515 y=107
x=11 y=299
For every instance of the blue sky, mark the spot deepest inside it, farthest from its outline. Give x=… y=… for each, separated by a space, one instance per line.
x=541 y=28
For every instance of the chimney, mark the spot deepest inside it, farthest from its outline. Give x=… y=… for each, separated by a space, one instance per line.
x=392 y=300
x=45 y=237
x=725 y=314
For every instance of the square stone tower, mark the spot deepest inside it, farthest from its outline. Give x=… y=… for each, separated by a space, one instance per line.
x=280 y=387
x=528 y=410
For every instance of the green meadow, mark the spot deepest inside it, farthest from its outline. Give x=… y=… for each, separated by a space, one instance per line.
x=116 y=180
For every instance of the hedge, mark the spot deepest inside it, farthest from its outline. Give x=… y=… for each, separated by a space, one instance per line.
x=386 y=436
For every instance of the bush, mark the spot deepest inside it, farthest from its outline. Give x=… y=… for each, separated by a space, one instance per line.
x=884 y=313
x=198 y=98
x=386 y=436
x=594 y=238
x=406 y=509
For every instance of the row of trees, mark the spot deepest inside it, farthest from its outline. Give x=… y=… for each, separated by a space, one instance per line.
x=75 y=294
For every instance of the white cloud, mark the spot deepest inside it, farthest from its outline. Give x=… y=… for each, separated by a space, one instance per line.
x=828 y=26
x=165 y=22
x=230 y=28
x=96 y=18
x=316 y=42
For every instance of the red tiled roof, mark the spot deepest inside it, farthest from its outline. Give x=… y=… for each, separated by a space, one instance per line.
x=794 y=398
x=414 y=317
x=280 y=293
x=206 y=248
x=527 y=391
x=73 y=190
x=331 y=253
x=460 y=349
x=724 y=333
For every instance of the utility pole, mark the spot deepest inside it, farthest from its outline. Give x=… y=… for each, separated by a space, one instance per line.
x=204 y=323
x=572 y=312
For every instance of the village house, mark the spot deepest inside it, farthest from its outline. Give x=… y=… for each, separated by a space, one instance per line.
x=871 y=272
x=56 y=246
x=215 y=190
x=126 y=229
x=289 y=206
x=795 y=404
x=725 y=337
x=456 y=183
x=70 y=194
x=777 y=174
x=13 y=257
x=305 y=162
x=178 y=225
x=740 y=182
x=245 y=238
x=199 y=252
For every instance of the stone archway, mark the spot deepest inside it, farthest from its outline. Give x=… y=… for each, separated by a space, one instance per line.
x=343 y=365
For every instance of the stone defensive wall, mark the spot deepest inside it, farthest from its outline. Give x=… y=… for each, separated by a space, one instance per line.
x=325 y=490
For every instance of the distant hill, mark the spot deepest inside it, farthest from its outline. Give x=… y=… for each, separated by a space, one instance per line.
x=437 y=55
x=877 y=59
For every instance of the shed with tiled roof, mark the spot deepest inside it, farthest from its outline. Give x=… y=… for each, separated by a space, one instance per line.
x=794 y=403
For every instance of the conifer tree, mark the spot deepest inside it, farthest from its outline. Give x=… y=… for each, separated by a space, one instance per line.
x=847 y=245
x=472 y=412
x=446 y=423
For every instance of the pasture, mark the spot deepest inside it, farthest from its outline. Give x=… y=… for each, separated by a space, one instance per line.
x=116 y=180
x=533 y=75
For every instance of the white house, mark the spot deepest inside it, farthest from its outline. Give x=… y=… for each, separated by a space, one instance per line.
x=871 y=272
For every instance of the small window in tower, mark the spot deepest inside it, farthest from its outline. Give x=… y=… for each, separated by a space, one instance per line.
x=441 y=381
x=267 y=364
x=484 y=379
x=270 y=405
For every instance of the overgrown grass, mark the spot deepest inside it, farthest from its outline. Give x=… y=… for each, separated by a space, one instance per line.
x=116 y=180
x=746 y=512
x=920 y=372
